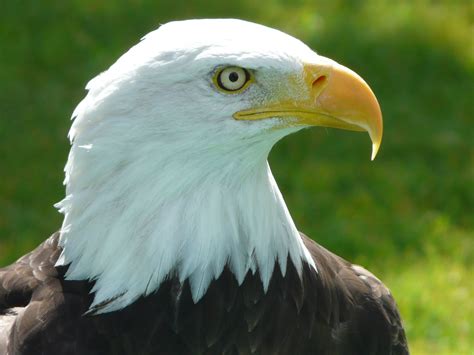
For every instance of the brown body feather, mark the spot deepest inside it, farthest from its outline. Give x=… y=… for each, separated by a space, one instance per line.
x=341 y=309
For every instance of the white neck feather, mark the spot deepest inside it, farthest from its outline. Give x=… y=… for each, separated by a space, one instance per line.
x=129 y=228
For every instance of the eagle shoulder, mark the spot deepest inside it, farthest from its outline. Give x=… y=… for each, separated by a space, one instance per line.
x=19 y=280
x=34 y=304
x=369 y=320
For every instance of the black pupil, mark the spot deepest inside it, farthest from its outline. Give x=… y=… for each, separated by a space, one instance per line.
x=233 y=76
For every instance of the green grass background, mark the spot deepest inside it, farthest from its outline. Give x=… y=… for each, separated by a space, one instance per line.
x=408 y=216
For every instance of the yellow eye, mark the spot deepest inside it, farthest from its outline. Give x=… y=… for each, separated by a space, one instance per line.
x=232 y=79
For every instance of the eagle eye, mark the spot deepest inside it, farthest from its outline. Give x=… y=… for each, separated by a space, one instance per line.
x=232 y=79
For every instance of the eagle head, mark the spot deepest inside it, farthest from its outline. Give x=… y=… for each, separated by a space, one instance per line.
x=168 y=172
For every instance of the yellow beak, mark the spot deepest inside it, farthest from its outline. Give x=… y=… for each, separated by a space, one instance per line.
x=336 y=97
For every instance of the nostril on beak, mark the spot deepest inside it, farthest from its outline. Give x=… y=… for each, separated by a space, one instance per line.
x=319 y=81
x=319 y=84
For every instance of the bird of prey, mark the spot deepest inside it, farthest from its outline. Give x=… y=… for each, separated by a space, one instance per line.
x=176 y=238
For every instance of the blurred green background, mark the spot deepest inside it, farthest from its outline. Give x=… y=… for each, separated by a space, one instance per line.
x=408 y=216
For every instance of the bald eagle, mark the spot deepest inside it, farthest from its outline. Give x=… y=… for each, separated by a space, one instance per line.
x=176 y=238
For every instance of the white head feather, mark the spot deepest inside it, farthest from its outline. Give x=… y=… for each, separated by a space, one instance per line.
x=162 y=180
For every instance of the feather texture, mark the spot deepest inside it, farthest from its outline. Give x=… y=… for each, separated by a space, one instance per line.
x=342 y=309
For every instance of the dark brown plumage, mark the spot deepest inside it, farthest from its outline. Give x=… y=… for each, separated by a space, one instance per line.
x=342 y=309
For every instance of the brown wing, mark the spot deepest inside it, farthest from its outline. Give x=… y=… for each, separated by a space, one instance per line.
x=19 y=280
x=370 y=322
x=17 y=285
x=33 y=305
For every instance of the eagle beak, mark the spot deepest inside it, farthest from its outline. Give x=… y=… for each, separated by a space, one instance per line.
x=334 y=97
